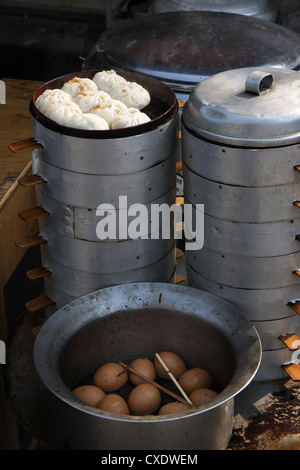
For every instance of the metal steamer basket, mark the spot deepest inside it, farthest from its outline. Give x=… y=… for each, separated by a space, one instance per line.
x=264 y=9
x=193 y=45
x=240 y=147
x=120 y=323
x=79 y=170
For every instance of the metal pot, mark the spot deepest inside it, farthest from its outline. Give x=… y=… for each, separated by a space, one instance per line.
x=264 y=9
x=84 y=169
x=193 y=46
x=139 y=319
x=240 y=136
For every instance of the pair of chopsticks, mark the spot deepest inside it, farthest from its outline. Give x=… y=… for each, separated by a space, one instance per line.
x=185 y=398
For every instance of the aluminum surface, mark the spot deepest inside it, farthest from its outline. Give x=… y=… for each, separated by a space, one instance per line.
x=67 y=283
x=247 y=239
x=105 y=325
x=220 y=109
x=194 y=46
x=255 y=304
x=250 y=167
x=245 y=272
x=89 y=190
x=270 y=330
x=240 y=203
x=104 y=257
x=260 y=8
x=271 y=362
x=81 y=223
x=91 y=156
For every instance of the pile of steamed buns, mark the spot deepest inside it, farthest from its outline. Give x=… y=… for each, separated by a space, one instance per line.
x=107 y=101
x=115 y=389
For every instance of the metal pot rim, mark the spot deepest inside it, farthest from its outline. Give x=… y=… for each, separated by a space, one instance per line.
x=56 y=385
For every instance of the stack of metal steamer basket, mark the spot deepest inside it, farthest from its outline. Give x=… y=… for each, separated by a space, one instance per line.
x=79 y=171
x=240 y=146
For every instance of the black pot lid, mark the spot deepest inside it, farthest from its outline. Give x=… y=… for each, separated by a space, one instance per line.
x=265 y=9
x=183 y=48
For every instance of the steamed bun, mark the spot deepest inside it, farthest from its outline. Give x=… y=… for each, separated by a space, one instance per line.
x=79 y=85
x=88 y=121
x=52 y=98
x=86 y=101
x=132 y=94
x=108 y=79
x=128 y=118
x=109 y=111
x=63 y=112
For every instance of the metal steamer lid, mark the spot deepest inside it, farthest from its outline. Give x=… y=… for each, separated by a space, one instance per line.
x=260 y=8
x=252 y=107
x=183 y=48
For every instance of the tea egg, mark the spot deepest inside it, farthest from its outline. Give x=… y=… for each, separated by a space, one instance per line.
x=201 y=396
x=174 y=363
x=195 y=378
x=144 y=398
x=107 y=377
x=114 y=403
x=145 y=366
x=173 y=407
x=89 y=394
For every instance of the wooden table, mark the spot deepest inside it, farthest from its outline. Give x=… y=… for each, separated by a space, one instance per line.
x=14 y=126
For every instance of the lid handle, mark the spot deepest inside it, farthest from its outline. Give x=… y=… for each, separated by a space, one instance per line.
x=259 y=82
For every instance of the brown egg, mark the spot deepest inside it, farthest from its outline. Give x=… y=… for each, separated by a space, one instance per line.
x=114 y=403
x=145 y=367
x=201 y=396
x=173 y=362
x=144 y=399
x=107 y=378
x=90 y=394
x=173 y=407
x=195 y=378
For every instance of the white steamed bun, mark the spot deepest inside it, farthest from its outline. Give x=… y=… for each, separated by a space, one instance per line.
x=88 y=121
x=52 y=98
x=79 y=85
x=132 y=94
x=108 y=79
x=128 y=118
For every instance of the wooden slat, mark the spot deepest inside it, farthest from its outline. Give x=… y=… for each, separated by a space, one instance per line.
x=28 y=242
x=180 y=200
x=39 y=303
x=179 y=166
x=31 y=180
x=297 y=272
x=33 y=214
x=291 y=341
x=27 y=144
x=297 y=167
x=181 y=103
x=179 y=253
x=296 y=203
x=179 y=278
x=293 y=370
x=295 y=306
x=38 y=273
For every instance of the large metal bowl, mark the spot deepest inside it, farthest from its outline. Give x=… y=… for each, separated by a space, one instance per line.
x=122 y=322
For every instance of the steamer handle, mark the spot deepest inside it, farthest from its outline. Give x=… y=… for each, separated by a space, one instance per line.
x=27 y=144
x=259 y=82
